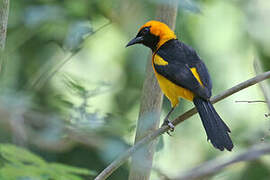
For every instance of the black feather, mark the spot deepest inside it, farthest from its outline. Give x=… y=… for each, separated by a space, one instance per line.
x=181 y=58
x=217 y=131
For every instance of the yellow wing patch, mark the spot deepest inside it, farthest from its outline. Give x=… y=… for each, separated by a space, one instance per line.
x=196 y=75
x=159 y=60
x=171 y=90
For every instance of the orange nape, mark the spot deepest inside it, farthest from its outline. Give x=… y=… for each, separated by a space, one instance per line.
x=160 y=30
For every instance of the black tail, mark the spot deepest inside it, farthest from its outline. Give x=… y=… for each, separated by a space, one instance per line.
x=217 y=131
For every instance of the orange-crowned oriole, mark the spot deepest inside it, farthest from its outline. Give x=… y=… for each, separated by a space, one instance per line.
x=181 y=73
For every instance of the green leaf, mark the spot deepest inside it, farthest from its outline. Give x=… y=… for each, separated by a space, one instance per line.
x=69 y=169
x=16 y=154
x=20 y=164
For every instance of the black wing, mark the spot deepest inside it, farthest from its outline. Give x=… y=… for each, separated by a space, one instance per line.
x=204 y=75
x=181 y=58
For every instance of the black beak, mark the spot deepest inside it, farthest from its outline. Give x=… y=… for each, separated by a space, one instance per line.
x=136 y=40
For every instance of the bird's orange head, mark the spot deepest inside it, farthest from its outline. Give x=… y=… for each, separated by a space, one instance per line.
x=153 y=34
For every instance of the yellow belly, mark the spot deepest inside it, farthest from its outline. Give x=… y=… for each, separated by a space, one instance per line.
x=172 y=91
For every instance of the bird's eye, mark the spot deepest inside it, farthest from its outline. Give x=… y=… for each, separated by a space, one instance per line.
x=145 y=31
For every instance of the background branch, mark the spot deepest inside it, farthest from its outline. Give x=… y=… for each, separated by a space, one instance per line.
x=247 y=101
x=213 y=166
x=122 y=158
x=48 y=73
x=4 y=11
x=151 y=103
x=264 y=86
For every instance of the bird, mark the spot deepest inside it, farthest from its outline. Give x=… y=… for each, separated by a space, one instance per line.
x=181 y=73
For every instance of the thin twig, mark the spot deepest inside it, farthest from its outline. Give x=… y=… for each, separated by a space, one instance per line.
x=264 y=86
x=256 y=101
x=213 y=166
x=45 y=77
x=266 y=93
x=122 y=158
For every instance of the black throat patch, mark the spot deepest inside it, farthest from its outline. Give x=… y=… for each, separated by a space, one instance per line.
x=149 y=40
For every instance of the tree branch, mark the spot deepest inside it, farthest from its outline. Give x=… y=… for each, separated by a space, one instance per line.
x=264 y=86
x=151 y=103
x=122 y=158
x=213 y=166
x=4 y=10
x=47 y=74
x=250 y=101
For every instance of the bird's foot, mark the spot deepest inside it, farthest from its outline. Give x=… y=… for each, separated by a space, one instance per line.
x=167 y=122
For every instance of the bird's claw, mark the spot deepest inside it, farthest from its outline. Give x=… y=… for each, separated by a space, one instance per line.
x=171 y=126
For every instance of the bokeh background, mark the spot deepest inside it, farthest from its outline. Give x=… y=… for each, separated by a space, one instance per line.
x=70 y=90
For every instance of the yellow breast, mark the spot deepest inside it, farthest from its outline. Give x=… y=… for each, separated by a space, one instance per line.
x=172 y=91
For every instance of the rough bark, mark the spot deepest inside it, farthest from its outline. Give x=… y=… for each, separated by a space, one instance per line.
x=4 y=11
x=151 y=102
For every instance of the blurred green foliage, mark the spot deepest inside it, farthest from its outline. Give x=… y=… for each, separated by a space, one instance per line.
x=70 y=91
x=18 y=163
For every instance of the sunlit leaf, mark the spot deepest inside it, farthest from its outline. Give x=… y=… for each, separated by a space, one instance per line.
x=19 y=155
x=19 y=163
x=69 y=169
x=74 y=85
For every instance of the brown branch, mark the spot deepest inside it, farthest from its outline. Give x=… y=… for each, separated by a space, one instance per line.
x=263 y=85
x=151 y=103
x=248 y=101
x=265 y=90
x=213 y=166
x=122 y=158
x=4 y=10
